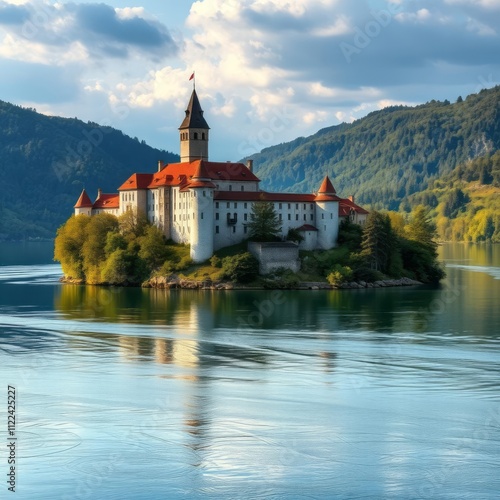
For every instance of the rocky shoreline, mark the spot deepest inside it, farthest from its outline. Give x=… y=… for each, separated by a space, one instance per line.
x=174 y=282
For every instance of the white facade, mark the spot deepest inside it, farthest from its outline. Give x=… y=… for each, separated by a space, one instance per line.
x=208 y=205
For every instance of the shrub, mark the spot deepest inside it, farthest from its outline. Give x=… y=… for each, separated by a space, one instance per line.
x=339 y=274
x=216 y=261
x=242 y=268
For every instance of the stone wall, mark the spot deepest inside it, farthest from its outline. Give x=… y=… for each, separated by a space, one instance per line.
x=272 y=256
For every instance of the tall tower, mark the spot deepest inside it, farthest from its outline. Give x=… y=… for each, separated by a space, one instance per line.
x=327 y=215
x=193 y=132
x=202 y=227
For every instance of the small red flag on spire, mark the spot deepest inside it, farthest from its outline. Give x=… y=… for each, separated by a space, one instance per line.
x=191 y=77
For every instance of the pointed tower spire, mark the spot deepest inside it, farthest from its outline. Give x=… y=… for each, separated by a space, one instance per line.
x=194 y=132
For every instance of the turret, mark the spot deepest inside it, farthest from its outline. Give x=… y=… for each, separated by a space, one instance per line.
x=83 y=205
x=202 y=230
x=193 y=132
x=327 y=215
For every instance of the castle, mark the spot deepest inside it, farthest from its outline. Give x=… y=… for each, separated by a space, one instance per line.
x=208 y=204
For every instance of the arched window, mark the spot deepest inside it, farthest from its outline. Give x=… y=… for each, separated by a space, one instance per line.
x=196 y=136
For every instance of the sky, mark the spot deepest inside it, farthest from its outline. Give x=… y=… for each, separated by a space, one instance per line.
x=267 y=71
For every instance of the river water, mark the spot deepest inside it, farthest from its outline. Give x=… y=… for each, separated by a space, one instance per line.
x=151 y=394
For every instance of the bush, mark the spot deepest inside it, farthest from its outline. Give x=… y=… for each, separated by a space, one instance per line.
x=340 y=274
x=241 y=268
x=216 y=261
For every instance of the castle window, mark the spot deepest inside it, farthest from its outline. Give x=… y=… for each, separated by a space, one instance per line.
x=245 y=230
x=331 y=216
x=201 y=215
x=322 y=216
x=296 y=206
x=245 y=205
x=217 y=216
x=216 y=204
x=196 y=136
x=228 y=205
x=230 y=187
x=289 y=217
x=204 y=193
x=234 y=229
x=312 y=206
x=235 y=205
x=216 y=229
x=243 y=188
x=281 y=206
x=296 y=216
x=312 y=217
x=245 y=217
x=304 y=206
x=281 y=217
x=203 y=136
x=305 y=217
x=289 y=206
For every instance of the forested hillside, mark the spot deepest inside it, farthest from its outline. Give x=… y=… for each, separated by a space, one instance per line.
x=390 y=154
x=45 y=161
x=466 y=202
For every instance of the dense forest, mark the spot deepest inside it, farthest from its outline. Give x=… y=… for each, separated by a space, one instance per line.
x=390 y=154
x=465 y=203
x=46 y=161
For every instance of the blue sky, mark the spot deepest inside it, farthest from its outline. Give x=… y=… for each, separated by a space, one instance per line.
x=267 y=71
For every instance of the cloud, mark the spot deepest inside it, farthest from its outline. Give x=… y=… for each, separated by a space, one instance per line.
x=12 y=14
x=102 y=30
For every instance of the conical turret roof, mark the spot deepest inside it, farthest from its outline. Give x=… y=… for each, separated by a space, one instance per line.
x=326 y=191
x=84 y=201
x=194 y=114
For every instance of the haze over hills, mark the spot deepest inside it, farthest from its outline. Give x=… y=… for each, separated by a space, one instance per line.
x=46 y=161
x=389 y=154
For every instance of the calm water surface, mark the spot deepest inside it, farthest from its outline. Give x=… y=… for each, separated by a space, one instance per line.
x=131 y=393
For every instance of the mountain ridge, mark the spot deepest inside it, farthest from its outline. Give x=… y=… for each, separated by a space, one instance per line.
x=389 y=154
x=45 y=161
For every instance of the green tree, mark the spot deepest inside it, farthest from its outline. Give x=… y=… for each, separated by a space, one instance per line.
x=378 y=241
x=264 y=224
x=421 y=228
x=242 y=268
x=133 y=223
x=93 y=249
x=68 y=246
x=153 y=249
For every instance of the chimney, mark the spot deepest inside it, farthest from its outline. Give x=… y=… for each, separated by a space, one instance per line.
x=250 y=165
x=99 y=192
x=160 y=165
x=351 y=198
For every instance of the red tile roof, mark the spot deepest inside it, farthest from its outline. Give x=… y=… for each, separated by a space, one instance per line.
x=179 y=174
x=348 y=204
x=83 y=201
x=107 y=201
x=326 y=191
x=326 y=186
x=136 y=181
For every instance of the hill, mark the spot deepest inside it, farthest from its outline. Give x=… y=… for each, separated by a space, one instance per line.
x=45 y=161
x=390 y=154
x=465 y=203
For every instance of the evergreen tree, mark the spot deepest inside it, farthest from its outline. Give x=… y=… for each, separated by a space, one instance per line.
x=421 y=228
x=264 y=223
x=378 y=241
